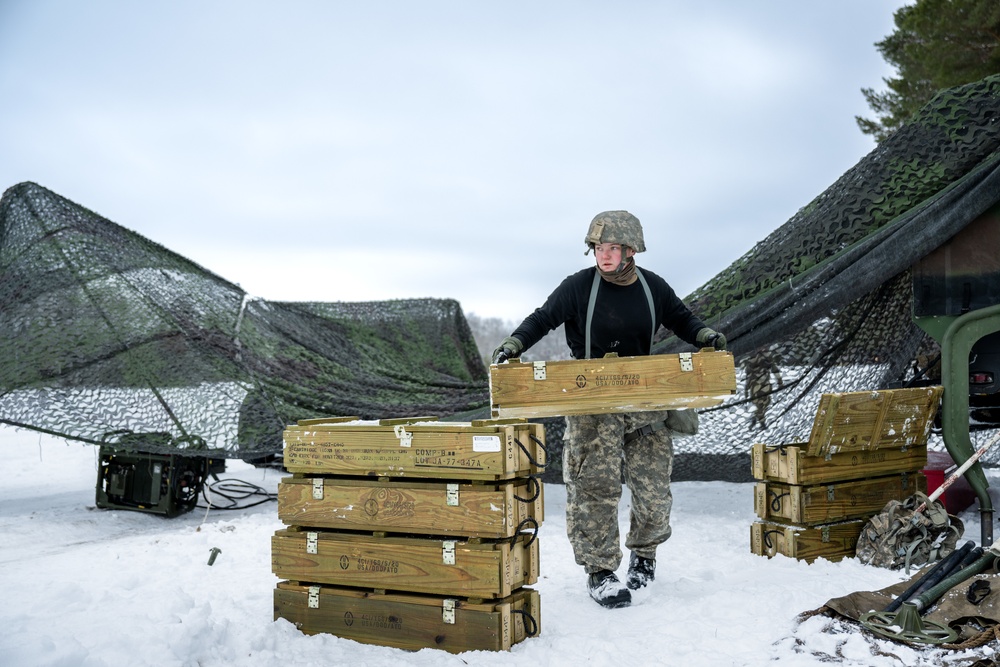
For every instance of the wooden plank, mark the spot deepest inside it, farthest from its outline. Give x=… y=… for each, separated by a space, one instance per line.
x=830 y=541
x=424 y=507
x=792 y=465
x=488 y=569
x=611 y=384
x=828 y=503
x=441 y=450
x=410 y=621
x=867 y=420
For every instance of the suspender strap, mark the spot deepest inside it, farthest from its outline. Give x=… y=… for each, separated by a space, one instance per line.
x=652 y=308
x=590 y=312
x=593 y=300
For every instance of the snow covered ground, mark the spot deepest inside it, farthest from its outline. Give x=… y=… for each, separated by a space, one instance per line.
x=89 y=587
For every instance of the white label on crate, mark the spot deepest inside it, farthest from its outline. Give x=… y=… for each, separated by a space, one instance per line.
x=486 y=443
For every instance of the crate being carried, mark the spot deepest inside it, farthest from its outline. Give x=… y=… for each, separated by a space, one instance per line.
x=611 y=384
x=864 y=449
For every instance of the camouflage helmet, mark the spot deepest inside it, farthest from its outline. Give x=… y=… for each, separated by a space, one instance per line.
x=619 y=227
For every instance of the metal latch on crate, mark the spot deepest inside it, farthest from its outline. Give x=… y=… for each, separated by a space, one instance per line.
x=312 y=543
x=448 y=552
x=448 y=611
x=826 y=534
x=452 y=495
x=317 y=488
x=405 y=439
x=831 y=493
x=687 y=364
x=314 y=597
x=539 y=369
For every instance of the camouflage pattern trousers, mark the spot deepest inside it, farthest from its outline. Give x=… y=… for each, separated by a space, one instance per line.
x=594 y=460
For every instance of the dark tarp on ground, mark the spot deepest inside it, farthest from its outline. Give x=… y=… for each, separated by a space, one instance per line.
x=954 y=608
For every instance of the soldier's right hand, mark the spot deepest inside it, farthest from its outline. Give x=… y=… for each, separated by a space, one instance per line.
x=509 y=348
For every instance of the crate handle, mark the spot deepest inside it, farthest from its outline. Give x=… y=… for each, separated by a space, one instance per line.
x=776 y=500
x=536 y=487
x=531 y=459
x=530 y=521
x=767 y=538
x=528 y=618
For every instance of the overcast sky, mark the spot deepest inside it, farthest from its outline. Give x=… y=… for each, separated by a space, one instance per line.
x=349 y=151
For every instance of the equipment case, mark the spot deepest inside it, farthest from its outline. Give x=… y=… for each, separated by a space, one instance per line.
x=830 y=541
x=421 y=447
x=426 y=507
x=475 y=569
x=410 y=621
x=791 y=464
x=827 y=503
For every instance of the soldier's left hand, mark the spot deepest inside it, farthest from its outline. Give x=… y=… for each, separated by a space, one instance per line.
x=711 y=337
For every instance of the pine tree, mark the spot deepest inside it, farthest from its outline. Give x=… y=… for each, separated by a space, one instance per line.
x=937 y=44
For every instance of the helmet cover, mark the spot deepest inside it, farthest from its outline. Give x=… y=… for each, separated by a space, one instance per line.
x=620 y=227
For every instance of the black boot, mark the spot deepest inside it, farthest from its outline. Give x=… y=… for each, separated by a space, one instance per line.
x=641 y=571
x=607 y=590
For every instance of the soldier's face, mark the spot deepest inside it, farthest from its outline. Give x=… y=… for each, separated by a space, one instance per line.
x=609 y=255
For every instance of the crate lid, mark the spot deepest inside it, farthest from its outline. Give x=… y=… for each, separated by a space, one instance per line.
x=865 y=420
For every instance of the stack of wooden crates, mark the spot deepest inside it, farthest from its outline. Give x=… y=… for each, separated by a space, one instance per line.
x=411 y=533
x=866 y=448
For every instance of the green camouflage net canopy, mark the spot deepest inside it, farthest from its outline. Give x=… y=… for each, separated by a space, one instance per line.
x=106 y=336
x=824 y=303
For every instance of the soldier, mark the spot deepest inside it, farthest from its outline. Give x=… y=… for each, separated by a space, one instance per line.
x=614 y=307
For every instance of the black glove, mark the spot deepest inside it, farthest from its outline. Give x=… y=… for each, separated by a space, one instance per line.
x=708 y=337
x=509 y=348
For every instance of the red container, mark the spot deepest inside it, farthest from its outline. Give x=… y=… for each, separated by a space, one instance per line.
x=956 y=497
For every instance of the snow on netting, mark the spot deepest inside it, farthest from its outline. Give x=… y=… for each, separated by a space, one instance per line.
x=106 y=336
x=823 y=304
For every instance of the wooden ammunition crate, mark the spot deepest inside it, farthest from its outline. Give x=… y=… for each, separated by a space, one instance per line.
x=830 y=541
x=409 y=621
x=475 y=569
x=792 y=465
x=828 y=503
x=424 y=507
x=867 y=420
x=422 y=447
x=611 y=384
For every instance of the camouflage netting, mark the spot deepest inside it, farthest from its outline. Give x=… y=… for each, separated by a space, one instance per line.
x=106 y=336
x=824 y=303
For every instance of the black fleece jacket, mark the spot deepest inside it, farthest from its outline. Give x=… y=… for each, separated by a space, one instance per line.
x=621 y=321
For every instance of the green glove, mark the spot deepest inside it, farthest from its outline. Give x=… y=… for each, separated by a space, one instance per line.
x=708 y=337
x=509 y=348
